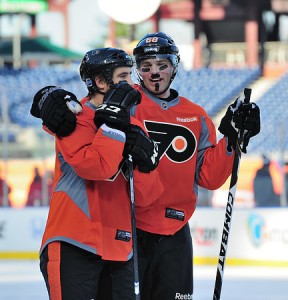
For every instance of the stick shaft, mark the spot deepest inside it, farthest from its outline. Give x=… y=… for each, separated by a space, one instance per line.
x=229 y=208
x=133 y=226
x=227 y=225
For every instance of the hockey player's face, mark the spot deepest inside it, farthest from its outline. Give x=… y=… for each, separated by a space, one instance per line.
x=156 y=75
x=122 y=74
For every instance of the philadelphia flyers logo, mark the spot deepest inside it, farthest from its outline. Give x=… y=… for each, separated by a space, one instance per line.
x=177 y=142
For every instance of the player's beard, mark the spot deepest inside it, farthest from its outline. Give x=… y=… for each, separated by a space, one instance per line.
x=158 y=90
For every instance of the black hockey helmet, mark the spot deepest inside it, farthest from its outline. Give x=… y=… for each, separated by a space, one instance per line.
x=102 y=61
x=154 y=45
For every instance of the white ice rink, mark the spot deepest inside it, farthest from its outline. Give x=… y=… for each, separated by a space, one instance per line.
x=22 y=280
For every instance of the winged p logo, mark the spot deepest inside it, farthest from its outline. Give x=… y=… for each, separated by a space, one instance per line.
x=177 y=142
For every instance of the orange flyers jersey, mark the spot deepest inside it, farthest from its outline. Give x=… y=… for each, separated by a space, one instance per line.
x=90 y=204
x=190 y=156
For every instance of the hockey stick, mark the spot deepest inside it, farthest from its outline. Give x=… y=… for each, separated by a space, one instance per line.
x=133 y=225
x=229 y=209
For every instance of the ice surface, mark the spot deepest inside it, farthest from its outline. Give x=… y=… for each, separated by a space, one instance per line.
x=23 y=280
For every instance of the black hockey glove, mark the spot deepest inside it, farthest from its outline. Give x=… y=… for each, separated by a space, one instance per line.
x=122 y=94
x=117 y=102
x=113 y=116
x=57 y=108
x=247 y=120
x=142 y=148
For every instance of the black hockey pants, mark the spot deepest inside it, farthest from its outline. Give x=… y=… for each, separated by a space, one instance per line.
x=71 y=273
x=165 y=265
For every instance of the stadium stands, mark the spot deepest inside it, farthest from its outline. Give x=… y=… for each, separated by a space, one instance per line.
x=213 y=89
x=19 y=87
x=16 y=93
x=274 y=120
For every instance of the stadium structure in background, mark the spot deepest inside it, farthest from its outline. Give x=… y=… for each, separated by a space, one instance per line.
x=241 y=32
x=240 y=26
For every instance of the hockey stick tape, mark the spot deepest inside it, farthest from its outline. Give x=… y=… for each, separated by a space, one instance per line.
x=74 y=106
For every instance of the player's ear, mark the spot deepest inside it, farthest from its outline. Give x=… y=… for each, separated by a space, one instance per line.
x=101 y=83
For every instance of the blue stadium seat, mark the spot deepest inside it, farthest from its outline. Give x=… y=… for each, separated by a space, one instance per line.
x=274 y=120
x=213 y=89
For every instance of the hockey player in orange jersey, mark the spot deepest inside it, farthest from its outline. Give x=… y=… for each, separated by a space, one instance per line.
x=89 y=222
